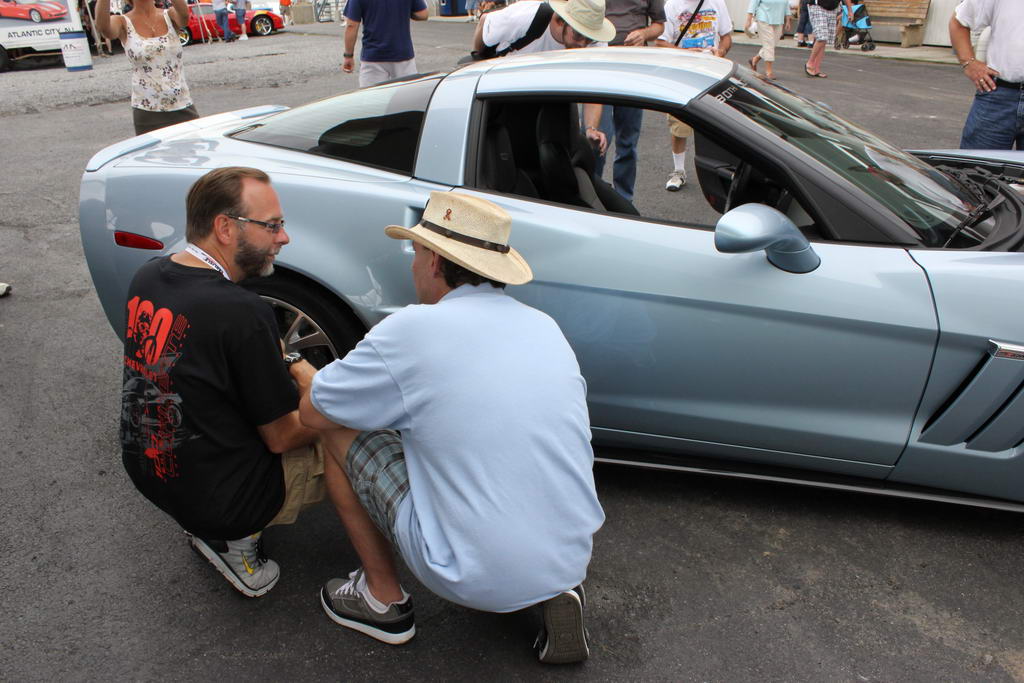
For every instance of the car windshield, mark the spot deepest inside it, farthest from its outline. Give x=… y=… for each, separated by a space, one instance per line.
x=929 y=201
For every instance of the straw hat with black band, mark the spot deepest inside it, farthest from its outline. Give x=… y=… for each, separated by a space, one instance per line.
x=586 y=16
x=471 y=232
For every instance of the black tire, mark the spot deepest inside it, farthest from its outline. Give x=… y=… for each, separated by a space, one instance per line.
x=5 y=60
x=184 y=36
x=262 y=25
x=35 y=16
x=303 y=311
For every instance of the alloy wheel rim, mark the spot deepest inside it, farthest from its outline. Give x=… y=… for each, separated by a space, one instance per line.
x=302 y=333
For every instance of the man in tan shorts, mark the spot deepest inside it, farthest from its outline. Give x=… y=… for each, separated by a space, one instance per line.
x=706 y=27
x=208 y=405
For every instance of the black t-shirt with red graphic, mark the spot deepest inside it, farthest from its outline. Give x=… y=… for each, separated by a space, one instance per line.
x=202 y=369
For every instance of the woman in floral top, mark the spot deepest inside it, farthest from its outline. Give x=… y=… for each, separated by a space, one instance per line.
x=160 y=96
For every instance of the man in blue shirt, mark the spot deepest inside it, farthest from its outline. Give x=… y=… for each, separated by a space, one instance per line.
x=459 y=436
x=387 y=42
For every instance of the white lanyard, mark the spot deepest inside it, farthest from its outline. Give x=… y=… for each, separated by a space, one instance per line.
x=206 y=258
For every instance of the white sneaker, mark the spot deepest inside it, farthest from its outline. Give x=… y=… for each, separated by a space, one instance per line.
x=241 y=562
x=243 y=37
x=676 y=179
x=5 y=289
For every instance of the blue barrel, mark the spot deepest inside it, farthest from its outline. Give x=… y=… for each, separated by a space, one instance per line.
x=453 y=8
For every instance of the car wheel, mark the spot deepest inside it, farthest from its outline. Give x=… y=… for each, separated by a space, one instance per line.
x=5 y=60
x=309 y=319
x=184 y=36
x=35 y=16
x=262 y=25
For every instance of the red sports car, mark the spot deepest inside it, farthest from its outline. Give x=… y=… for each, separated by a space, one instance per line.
x=202 y=22
x=35 y=10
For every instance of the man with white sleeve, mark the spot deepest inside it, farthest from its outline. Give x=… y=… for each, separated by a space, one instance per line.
x=996 y=119
x=531 y=26
x=460 y=436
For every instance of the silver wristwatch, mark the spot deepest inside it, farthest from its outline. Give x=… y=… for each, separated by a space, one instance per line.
x=292 y=358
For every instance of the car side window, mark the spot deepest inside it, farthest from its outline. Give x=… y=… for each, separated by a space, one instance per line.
x=538 y=149
x=378 y=126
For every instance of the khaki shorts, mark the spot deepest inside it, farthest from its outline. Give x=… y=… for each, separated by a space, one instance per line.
x=303 y=481
x=677 y=128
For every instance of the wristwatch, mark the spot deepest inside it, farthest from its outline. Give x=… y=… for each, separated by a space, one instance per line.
x=292 y=358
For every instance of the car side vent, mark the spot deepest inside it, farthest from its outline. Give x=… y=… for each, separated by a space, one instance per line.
x=987 y=411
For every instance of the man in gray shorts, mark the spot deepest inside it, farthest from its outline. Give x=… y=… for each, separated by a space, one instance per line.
x=458 y=434
x=387 y=42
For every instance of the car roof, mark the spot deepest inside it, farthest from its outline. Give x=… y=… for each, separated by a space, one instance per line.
x=640 y=72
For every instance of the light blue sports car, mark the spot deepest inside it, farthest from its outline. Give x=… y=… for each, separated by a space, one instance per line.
x=829 y=310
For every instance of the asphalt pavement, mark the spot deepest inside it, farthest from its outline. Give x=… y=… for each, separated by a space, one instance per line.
x=693 y=578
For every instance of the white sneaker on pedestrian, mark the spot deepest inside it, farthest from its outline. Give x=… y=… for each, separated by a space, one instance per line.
x=244 y=36
x=676 y=179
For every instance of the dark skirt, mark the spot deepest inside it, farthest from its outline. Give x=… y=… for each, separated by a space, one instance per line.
x=146 y=121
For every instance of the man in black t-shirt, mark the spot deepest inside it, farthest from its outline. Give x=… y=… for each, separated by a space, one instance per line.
x=208 y=403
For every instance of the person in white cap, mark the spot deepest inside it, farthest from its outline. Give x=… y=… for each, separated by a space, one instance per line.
x=460 y=433
x=534 y=26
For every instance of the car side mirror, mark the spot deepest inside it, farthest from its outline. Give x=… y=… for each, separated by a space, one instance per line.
x=753 y=227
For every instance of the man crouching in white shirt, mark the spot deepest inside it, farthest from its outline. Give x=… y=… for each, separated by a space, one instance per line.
x=460 y=437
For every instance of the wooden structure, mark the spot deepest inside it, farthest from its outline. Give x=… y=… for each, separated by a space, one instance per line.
x=909 y=15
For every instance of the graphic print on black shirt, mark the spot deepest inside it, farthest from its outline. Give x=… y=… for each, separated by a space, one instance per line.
x=202 y=372
x=151 y=410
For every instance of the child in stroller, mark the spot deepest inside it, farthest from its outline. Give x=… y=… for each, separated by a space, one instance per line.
x=856 y=29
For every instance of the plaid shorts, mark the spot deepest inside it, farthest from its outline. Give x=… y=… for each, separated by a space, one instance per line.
x=375 y=466
x=823 y=21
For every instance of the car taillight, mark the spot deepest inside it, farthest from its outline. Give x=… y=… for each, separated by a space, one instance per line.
x=130 y=239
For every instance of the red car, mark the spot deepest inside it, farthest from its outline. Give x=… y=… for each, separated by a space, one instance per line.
x=36 y=10
x=202 y=22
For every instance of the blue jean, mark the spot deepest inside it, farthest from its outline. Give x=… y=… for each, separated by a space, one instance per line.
x=240 y=18
x=995 y=120
x=621 y=124
x=803 y=26
x=222 y=21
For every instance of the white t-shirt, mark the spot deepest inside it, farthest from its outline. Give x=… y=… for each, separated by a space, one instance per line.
x=504 y=27
x=1006 y=17
x=491 y=407
x=711 y=23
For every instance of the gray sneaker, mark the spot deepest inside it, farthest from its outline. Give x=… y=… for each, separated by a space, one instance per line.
x=344 y=603
x=563 y=639
x=241 y=562
x=676 y=179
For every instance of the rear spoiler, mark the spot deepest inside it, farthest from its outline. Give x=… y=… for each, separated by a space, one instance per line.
x=140 y=142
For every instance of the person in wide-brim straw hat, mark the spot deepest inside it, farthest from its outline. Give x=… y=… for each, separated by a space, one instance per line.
x=471 y=232
x=457 y=430
x=512 y=30
x=586 y=16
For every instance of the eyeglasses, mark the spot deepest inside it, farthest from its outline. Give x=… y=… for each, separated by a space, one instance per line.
x=274 y=228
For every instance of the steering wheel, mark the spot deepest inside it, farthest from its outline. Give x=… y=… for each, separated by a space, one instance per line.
x=738 y=186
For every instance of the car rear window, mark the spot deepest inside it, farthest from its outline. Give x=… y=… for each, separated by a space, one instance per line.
x=377 y=126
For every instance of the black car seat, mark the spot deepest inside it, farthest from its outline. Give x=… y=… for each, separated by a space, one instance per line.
x=584 y=158
x=567 y=167
x=498 y=168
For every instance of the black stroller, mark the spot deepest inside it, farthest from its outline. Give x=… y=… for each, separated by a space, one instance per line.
x=856 y=29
